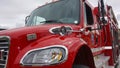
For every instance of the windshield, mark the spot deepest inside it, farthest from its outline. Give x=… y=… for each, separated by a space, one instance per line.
x=64 y=11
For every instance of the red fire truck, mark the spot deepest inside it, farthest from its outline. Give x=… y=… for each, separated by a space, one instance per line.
x=63 y=34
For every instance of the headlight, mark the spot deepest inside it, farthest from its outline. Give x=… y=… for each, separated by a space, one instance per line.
x=45 y=56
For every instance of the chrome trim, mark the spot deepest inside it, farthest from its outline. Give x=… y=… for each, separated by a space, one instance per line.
x=108 y=47
x=2 y=64
x=53 y=46
x=5 y=47
x=50 y=30
x=4 y=43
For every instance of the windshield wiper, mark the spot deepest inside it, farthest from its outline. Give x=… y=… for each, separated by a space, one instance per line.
x=51 y=21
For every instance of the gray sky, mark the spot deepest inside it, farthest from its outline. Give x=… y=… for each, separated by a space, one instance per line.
x=13 y=12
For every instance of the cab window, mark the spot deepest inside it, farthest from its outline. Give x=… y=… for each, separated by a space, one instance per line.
x=88 y=15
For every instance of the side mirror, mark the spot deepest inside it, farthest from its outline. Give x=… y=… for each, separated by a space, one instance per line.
x=102 y=11
x=104 y=20
x=26 y=19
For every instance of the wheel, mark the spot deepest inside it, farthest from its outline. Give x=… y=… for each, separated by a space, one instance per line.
x=80 y=66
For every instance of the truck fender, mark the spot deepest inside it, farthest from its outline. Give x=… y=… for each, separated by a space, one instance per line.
x=83 y=56
x=78 y=50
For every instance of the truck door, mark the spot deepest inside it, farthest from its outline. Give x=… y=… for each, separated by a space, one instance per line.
x=96 y=36
x=89 y=23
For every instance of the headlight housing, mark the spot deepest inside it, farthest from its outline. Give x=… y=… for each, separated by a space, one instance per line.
x=45 y=56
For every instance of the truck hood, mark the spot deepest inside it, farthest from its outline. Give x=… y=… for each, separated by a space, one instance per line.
x=18 y=36
x=25 y=30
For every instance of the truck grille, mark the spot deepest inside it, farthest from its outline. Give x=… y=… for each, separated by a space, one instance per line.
x=4 y=47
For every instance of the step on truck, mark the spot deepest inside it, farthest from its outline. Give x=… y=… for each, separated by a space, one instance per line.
x=63 y=34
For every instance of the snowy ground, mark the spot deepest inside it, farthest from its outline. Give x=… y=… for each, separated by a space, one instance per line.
x=119 y=63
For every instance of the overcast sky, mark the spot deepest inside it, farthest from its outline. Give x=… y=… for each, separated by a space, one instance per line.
x=13 y=12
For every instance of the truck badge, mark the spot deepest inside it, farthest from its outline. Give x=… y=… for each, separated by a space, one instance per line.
x=31 y=37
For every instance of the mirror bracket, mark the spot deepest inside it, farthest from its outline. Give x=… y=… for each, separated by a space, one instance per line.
x=26 y=19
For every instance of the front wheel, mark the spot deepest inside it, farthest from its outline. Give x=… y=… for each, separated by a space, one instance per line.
x=80 y=66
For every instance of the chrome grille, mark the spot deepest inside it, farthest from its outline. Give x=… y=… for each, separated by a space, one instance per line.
x=4 y=47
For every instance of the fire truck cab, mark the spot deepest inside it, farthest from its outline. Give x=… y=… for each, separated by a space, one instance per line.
x=63 y=34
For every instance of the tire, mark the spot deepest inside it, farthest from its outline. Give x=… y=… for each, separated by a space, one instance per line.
x=80 y=66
